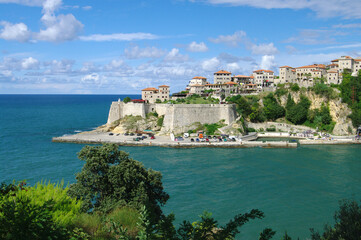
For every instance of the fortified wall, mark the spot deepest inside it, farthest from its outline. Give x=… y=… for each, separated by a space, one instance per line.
x=176 y=116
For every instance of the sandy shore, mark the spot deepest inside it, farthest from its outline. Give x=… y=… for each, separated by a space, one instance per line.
x=164 y=141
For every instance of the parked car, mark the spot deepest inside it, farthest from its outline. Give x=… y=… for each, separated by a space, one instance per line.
x=126 y=134
x=131 y=134
x=192 y=139
x=197 y=139
x=111 y=134
x=178 y=139
x=152 y=137
x=139 y=134
x=144 y=137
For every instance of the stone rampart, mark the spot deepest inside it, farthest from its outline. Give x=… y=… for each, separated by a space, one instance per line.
x=176 y=116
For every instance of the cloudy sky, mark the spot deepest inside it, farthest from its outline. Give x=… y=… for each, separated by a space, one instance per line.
x=123 y=46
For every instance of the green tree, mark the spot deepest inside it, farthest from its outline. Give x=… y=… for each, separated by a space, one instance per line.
x=272 y=109
x=347 y=223
x=127 y=99
x=40 y=212
x=257 y=115
x=298 y=113
x=290 y=103
x=110 y=178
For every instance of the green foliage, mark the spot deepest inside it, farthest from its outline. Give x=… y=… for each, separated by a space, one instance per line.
x=243 y=106
x=127 y=99
x=347 y=223
x=160 y=121
x=280 y=91
x=320 y=118
x=257 y=115
x=130 y=122
x=109 y=178
x=266 y=234
x=211 y=128
x=196 y=99
x=272 y=129
x=64 y=208
x=351 y=94
x=251 y=130
x=290 y=103
x=126 y=217
x=152 y=114
x=272 y=109
x=297 y=114
x=208 y=228
x=294 y=87
x=39 y=212
x=324 y=90
x=91 y=224
x=20 y=218
x=158 y=100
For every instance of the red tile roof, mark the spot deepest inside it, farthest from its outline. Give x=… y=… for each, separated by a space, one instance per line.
x=241 y=76
x=231 y=83
x=285 y=67
x=222 y=71
x=313 y=66
x=163 y=86
x=150 y=89
x=262 y=70
x=199 y=78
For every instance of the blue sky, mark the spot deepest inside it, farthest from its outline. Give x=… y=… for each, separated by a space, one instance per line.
x=123 y=46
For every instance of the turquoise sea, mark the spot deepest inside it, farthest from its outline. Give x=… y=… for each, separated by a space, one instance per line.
x=296 y=188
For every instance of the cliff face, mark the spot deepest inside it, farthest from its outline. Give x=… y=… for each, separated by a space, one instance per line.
x=338 y=110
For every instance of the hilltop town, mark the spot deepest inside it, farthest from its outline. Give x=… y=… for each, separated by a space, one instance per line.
x=226 y=84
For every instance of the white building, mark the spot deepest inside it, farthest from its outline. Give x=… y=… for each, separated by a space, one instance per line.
x=287 y=75
x=222 y=76
x=263 y=78
x=152 y=94
x=197 y=81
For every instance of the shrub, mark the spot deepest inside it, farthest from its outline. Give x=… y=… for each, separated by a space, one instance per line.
x=160 y=121
x=272 y=109
x=127 y=99
x=272 y=129
x=297 y=114
x=294 y=87
x=251 y=130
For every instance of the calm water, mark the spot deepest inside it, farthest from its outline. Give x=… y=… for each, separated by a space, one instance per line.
x=296 y=188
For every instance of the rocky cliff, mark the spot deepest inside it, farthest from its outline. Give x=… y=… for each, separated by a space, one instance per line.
x=338 y=110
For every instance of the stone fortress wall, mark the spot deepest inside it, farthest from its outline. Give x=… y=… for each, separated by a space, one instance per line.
x=176 y=116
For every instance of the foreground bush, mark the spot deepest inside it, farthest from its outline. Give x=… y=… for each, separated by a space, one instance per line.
x=44 y=211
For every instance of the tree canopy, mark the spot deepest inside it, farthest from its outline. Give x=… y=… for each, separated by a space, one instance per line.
x=110 y=178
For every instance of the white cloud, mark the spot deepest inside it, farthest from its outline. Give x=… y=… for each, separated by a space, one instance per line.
x=197 y=47
x=136 y=52
x=351 y=25
x=230 y=40
x=233 y=67
x=59 y=67
x=30 y=63
x=62 y=28
x=315 y=37
x=323 y=8
x=119 y=37
x=57 y=28
x=93 y=79
x=211 y=64
x=264 y=49
x=14 y=32
x=175 y=56
x=87 y=8
x=7 y=73
x=32 y=3
x=268 y=62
